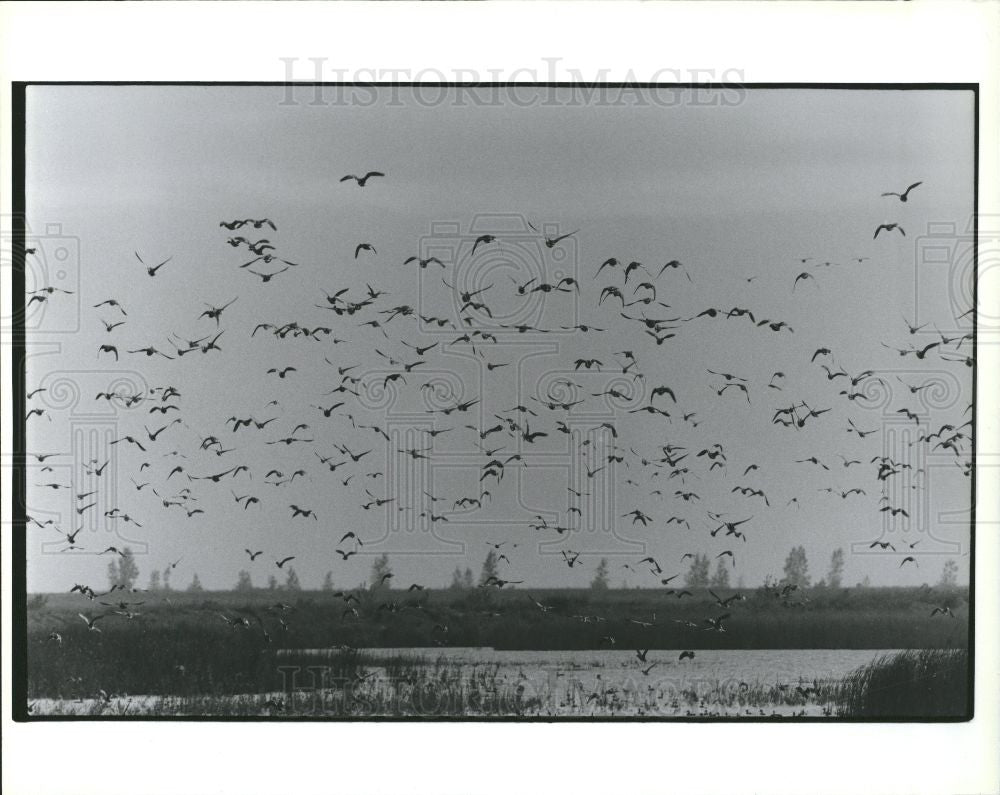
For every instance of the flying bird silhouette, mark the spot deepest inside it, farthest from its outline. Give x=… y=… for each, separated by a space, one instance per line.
x=362 y=180
x=903 y=196
x=888 y=228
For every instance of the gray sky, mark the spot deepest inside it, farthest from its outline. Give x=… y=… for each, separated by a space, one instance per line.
x=733 y=192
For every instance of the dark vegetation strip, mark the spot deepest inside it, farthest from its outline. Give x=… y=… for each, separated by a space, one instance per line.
x=185 y=647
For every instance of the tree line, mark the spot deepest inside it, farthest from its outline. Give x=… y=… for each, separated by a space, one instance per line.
x=123 y=573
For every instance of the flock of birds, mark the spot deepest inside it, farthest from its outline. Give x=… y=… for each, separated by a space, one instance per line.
x=178 y=465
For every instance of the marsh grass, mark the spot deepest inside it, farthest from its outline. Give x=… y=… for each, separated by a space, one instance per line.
x=908 y=684
x=183 y=648
x=338 y=683
x=439 y=689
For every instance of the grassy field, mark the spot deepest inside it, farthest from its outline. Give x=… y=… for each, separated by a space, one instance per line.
x=179 y=644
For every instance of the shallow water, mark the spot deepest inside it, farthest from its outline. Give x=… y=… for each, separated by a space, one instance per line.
x=770 y=666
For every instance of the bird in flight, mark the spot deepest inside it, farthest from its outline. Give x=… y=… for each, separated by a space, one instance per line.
x=802 y=277
x=664 y=390
x=484 y=239
x=92 y=622
x=676 y=265
x=114 y=303
x=737 y=385
x=715 y=624
x=266 y=277
x=608 y=263
x=888 y=228
x=363 y=179
x=297 y=511
x=727 y=376
x=903 y=196
x=258 y=223
x=281 y=373
x=633 y=266
x=215 y=312
x=152 y=269
x=551 y=242
x=423 y=262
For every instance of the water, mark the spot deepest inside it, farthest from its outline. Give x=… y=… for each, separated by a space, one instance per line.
x=770 y=666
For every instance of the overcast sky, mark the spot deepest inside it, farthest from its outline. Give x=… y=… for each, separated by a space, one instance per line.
x=735 y=192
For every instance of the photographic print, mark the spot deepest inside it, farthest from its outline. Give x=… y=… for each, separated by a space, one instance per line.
x=497 y=402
